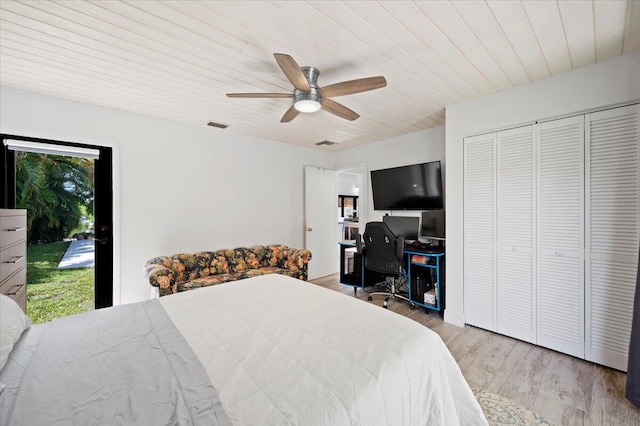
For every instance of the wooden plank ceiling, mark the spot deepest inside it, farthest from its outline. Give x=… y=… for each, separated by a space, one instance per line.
x=177 y=59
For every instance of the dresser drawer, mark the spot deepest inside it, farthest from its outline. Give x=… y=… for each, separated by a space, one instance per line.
x=12 y=230
x=16 y=288
x=12 y=259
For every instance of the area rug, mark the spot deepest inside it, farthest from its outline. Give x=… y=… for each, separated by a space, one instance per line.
x=502 y=411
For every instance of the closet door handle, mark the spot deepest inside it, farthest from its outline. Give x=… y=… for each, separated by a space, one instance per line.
x=15 y=259
x=16 y=229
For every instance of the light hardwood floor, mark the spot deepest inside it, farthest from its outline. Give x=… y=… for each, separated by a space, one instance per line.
x=563 y=389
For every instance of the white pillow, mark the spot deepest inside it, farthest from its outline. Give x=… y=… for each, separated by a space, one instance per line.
x=12 y=323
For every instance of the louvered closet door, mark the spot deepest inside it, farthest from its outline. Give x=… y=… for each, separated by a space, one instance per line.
x=612 y=233
x=516 y=233
x=479 y=231
x=560 y=235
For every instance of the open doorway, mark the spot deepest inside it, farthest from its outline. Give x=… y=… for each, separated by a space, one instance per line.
x=57 y=193
x=352 y=203
x=66 y=189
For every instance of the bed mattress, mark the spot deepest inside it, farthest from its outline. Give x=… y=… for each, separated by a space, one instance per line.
x=270 y=350
x=282 y=351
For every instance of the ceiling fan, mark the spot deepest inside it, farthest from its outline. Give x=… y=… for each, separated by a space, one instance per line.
x=308 y=96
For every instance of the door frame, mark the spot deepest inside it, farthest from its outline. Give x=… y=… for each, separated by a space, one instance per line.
x=115 y=182
x=361 y=169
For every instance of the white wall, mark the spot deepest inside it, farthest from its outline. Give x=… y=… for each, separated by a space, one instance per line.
x=603 y=84
x=348 y=182
x=182 y=188
x=414 y=148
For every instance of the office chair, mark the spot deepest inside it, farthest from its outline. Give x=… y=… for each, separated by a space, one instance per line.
x=383 y=254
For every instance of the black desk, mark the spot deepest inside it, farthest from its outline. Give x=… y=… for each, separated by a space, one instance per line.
x=354 y=274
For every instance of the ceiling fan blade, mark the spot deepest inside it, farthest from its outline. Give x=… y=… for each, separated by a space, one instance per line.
x=291 y=69
x=338 y=109
x=259 y=95
x=289 y=115
x=353 y=86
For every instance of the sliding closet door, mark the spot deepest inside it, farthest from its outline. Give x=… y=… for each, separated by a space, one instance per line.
x=560 y=232
x=479 y=231
x=612 y=232
x=516 y=233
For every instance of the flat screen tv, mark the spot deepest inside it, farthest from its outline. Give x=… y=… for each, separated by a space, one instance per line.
x=414 y=187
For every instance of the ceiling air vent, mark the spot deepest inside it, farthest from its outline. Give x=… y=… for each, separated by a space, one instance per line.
x=221 y=126
x=328 y=143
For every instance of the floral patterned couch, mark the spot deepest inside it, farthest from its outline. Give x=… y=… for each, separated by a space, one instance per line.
x=186 y=271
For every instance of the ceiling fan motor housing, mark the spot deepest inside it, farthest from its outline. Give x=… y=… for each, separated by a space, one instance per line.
x=311 y=74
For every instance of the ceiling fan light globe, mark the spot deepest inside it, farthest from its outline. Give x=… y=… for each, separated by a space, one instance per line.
x=307 y=105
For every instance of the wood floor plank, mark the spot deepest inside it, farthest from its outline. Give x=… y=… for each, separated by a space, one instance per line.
x=486 y=359
x=609 y=405
x=569 y=381
x=574 y=417
x=563 y=389
x=549 y=407
x=521 y=375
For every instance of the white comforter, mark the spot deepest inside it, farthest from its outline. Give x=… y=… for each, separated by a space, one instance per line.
x=282 y=351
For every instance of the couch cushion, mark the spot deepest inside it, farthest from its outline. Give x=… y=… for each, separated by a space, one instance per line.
x=220 y=262
x=249 y=273
x=181 y=265
x=247 y=258
x=201 y=265
x=206 y=281
x=275 y=256
x=258 y=253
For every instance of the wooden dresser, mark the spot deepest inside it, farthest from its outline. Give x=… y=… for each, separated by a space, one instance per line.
x=13 y=255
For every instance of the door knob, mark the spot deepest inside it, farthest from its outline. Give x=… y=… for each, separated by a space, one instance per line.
x=309 y=229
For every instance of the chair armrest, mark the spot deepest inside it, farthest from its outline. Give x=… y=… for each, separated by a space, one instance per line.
x=161 y=277
x=358 y=243
x=400 y=247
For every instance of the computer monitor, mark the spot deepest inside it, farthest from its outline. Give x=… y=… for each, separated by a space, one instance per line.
x=407 y=226
x=433 y=224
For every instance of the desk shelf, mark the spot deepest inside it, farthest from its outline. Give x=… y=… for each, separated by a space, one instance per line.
x=437 y=267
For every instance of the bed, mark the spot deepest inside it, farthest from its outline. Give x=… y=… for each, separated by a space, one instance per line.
x=267 y=350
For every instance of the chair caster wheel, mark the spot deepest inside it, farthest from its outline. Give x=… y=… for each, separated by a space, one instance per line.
x=412 y=306
x=370 y=298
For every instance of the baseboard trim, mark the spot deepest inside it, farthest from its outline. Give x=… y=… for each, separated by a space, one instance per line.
x=455 y=318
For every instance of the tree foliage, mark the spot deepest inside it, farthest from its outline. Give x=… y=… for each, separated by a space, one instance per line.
x=53 y=188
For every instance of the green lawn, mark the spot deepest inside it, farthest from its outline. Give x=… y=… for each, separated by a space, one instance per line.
x=54 y=293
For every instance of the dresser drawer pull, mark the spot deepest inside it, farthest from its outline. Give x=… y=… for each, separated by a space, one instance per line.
x=16 y=229
x=15 y=259
x=16 y=290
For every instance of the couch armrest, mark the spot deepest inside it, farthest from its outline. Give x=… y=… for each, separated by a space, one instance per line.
x=297 y=260
x=159 y=276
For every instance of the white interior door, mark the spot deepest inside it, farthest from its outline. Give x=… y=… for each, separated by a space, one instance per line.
x=612 y=203
x=560 y=235
x=479 y=231
x=321 y=218
x=516 y=233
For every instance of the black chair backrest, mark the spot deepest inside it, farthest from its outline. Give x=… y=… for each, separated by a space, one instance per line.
x=383 y=249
